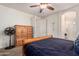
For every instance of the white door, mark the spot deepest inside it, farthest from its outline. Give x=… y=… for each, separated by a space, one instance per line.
x=68 y=25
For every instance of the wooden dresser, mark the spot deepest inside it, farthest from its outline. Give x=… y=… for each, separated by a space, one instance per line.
x=22 y=33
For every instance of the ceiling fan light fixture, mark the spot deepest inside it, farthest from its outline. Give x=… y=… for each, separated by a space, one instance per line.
x=43 y=6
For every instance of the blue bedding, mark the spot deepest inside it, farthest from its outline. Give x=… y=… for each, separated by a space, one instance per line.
x=51 y=47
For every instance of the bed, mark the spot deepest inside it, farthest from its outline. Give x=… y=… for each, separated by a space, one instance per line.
x=50 y=47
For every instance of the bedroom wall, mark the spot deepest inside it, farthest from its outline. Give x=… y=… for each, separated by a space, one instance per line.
x=11 y=17
x=46 y=26
x=52 y=24
x=39 y=26
x=56 y=18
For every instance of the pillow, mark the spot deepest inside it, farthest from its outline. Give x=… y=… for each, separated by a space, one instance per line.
x=76 y=45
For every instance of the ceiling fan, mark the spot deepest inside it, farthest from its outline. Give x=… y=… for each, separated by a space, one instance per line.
x=43 y=6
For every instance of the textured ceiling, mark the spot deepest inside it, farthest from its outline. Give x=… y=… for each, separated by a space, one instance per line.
x=35 y=11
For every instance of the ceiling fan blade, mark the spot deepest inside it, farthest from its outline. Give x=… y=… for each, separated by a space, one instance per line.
x=41 y=10
x=34 y=5
x=49 y=7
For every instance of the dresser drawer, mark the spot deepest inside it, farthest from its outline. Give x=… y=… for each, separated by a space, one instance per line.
x=19 y=43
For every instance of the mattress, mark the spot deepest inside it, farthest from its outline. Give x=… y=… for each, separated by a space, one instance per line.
x=50 y=47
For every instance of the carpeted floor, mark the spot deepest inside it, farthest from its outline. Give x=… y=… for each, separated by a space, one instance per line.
x=17 y=51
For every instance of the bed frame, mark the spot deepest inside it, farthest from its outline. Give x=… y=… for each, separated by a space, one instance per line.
x=34 y=39
x=26 y=42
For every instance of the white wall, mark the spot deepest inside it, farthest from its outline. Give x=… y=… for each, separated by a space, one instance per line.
x=53 y=26
x=39 y=26
x=11 y=17
x=56 y=17
x=52 y=23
